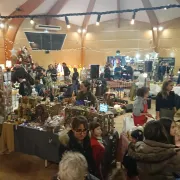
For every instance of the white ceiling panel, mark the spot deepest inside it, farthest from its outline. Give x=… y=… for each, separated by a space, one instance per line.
x=166 y=15
x=44 y=7
x=104 y=5
x=75 y=6
x=9 y=6
x=127 y=4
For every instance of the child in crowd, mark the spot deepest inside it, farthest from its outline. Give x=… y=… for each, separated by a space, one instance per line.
x=97 y=147
x=175 y=131
x=128 y=162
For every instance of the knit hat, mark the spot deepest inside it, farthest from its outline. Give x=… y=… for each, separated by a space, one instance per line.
x=137 y=134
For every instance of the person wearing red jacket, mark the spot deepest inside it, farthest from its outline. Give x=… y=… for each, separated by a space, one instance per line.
x=97 y=147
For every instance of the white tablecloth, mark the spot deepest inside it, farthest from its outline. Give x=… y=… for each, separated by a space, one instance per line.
x=176 y=89
x=155 y=89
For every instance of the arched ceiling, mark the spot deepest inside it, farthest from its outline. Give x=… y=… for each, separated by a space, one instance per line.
x=75 y=6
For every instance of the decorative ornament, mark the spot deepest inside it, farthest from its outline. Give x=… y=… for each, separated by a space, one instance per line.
x=13 y=52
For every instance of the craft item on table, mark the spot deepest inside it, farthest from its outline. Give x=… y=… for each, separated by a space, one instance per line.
x=34 y=93
x=41 y=113
x=5 y=95
x=110 y=98
x=56 y=122
x=119 y=109
x=106 y=120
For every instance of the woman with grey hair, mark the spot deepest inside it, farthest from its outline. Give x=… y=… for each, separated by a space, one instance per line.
x=73 y=166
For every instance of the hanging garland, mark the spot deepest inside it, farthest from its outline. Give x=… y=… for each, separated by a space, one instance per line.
x=134 y=11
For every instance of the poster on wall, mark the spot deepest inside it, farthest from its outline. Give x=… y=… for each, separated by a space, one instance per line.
x=114 y=60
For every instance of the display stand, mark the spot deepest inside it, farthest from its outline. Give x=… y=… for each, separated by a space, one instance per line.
x=5 y=95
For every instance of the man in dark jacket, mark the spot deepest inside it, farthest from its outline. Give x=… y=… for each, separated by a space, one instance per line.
x=51 y=70
x=66 y=70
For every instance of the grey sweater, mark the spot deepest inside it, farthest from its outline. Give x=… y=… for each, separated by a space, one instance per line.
x=138 y=106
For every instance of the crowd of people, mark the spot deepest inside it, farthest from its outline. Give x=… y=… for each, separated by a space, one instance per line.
x=153 y=153
x=42 y=79
x=118 y=72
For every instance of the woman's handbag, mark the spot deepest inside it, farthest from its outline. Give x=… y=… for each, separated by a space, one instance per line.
x=167 y=113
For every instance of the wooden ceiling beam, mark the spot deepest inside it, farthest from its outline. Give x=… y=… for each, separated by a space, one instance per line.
x=118 y=15
x=27 y=8
x=89 y=9
x=56 y=8
x=151 y=14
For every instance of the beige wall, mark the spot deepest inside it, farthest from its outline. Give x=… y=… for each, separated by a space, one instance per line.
x=104 y=40
x=107 y=38
x=170 y=42
x=68 y=54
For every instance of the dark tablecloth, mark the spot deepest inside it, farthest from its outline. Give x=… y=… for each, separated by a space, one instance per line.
x=39 y=143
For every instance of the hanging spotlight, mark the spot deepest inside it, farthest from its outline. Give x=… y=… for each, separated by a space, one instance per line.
x=2 y=25
x=166 y=7
x=138 y=56
x=155 y=28
x=160 y=28
x=67 y=22
x=79 y=30
x=32 y=21
x=84 y=30
x=133 y=18
x=98 y=20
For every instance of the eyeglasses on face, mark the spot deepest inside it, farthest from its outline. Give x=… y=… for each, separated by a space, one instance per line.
x=81 y=130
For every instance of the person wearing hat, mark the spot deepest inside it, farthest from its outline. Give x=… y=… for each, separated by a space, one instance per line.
x=128 y=161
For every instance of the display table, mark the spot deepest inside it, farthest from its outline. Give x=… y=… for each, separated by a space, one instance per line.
x=7 y=138
x=35 y=142
x=119 y=84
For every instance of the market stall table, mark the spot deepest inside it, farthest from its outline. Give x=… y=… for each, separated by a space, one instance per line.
x=119 y=84
x=35 y=142
x=7 y=138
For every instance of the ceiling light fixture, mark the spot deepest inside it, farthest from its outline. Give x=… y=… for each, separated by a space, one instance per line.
x=166 y=7
x=32 y=21
x=79 y=30
x=155 y=28
x=160 y=28
x=84 y=30
x=133 y=18
x=67 y=22
x=98 y=20
x=138 y=56
x=2 y=25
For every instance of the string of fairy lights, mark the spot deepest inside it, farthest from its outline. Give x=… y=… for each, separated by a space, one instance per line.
x=3 y=19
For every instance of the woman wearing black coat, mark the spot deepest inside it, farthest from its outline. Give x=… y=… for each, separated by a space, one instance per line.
x=77 y=140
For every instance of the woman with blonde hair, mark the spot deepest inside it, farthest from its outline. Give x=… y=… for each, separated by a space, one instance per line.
x=165 y=101
x=73 y=166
